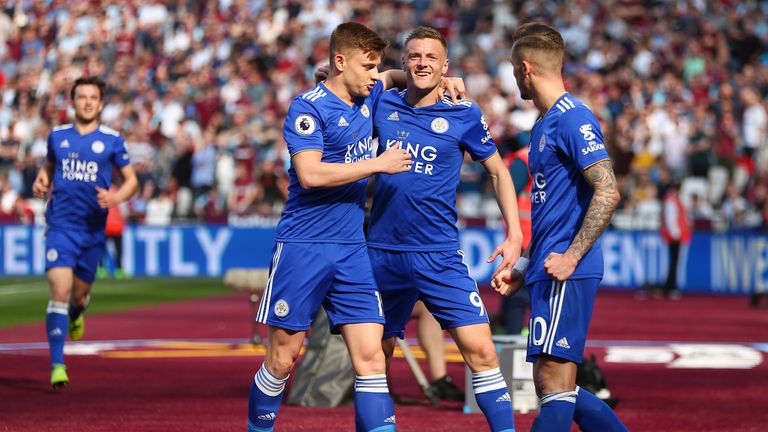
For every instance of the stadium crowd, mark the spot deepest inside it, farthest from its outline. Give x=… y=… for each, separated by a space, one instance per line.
x=200 y=88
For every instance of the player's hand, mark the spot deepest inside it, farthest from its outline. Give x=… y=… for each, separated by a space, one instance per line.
x=560 y=266
x=509 y=252
x=322 y=71
x=394 y=160
x=455 y=87
x=106 y=198
x=40 y=187
x=507 y=282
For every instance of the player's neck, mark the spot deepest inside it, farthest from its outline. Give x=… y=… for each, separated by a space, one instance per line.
x=336 y=85
x=420 y=98
x=548 y=94
x=86 y=128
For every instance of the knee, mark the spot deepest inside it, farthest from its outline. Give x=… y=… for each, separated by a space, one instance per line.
x=280 y=361
x=370 y=360
x=482 y=357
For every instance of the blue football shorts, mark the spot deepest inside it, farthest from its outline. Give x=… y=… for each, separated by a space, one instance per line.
x=79 y=250
x=304 y=276
x=440 y=279
x=560 y=315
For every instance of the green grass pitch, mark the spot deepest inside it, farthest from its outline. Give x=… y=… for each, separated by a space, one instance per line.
x=23 y=300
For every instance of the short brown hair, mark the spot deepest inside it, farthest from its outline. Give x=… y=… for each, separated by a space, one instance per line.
x=352 y=35
x=91 y=80
x=424 y=32
x=539 y=37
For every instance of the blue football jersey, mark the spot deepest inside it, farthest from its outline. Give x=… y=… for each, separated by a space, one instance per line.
x=416 y=210
x=82 y=162
x=564 y=142
x=318 y=120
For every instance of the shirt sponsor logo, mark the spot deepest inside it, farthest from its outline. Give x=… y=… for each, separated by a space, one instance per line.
x=361 y=150
x=422 y=154
x=586 y=131
x=79 y=170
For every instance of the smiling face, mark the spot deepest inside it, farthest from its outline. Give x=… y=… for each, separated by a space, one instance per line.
x=425 y=61
x=87 y=103
x=360 y=71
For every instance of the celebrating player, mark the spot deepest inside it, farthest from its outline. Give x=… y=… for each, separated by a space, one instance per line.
x=78 y=174
x=574 y=195
x=413 y=238
x=320 y=256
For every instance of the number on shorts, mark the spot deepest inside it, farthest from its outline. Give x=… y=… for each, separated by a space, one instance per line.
x=475 y=299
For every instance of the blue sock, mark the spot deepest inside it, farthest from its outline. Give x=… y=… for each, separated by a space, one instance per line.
x=264 y=400
x=556 y=412
x=592 y=414
x=56 y=326
x=492 y=396
x=75 y=310
x=374 y=410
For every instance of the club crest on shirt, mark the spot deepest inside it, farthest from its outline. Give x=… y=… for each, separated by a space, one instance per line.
x=542 y=142
x=304 y=124
x=282 y=308
x=439 y=125
x=97 y=147
x=364 y=111
x=52 y=255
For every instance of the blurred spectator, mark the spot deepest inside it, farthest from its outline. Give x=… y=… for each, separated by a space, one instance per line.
x=676 y=231
x=244 y=192
x=679 y=86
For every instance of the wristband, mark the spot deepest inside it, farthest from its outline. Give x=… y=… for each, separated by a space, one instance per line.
x=521 y=265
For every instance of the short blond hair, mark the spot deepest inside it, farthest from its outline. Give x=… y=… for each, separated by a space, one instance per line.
x=540 y=43
x=352 y=35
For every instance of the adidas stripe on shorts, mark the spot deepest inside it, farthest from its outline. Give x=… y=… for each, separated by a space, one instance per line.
x=305 y=276
x=560 y=315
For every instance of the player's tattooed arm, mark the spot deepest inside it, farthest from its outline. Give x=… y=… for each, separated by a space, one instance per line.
x=604 y=202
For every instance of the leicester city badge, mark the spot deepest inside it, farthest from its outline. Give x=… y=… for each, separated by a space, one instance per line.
x=281 y=308
x=439 y=125
x=542 y=142
x=52 y=255
x=97 y=147
x=364 y=111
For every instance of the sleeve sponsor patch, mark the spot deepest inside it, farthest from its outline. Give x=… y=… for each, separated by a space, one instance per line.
x=304 y=124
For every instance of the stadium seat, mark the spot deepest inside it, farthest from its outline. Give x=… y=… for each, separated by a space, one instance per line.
x=693 y=186
x=718 y=180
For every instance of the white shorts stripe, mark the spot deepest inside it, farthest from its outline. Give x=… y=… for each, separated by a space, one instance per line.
x=552 y=302
x=266 y=297
x=555 y=319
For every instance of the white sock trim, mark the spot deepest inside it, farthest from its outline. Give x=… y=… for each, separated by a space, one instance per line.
x=486 y=381
x=269 y=384
x=57 y=308
x=371 y=384
x=566 y=396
